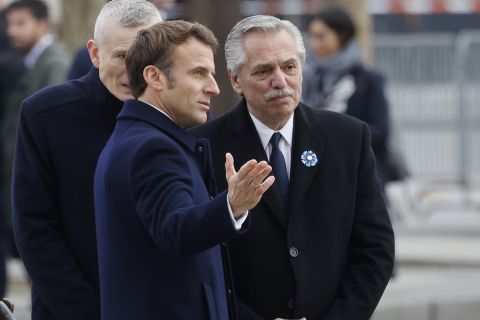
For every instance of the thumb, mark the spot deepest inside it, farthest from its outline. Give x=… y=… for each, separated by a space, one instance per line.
x=229 y=167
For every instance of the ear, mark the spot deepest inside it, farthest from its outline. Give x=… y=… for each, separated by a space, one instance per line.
x=234 y=81
x=154 y=78
x=44 y=25
x=94 y=53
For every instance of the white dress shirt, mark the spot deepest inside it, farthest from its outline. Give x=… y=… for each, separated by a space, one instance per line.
x=285 y=145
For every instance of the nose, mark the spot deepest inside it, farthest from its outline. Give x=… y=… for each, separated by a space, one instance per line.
x=278 y=80
x=211 y=88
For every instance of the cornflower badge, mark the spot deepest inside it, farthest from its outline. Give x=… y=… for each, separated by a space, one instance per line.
x=309 y=158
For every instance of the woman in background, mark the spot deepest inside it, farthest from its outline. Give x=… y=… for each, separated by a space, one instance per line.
x=335 y=79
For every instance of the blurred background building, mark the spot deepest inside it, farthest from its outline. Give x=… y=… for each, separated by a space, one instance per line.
x=428 y=50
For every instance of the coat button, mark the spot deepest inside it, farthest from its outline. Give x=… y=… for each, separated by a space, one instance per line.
x=200 y=149
x=291 y=304
x=293 y=252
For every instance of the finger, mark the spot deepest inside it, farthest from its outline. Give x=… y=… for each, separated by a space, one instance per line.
x=229 y=167
x=255 y=173
x=245 y=170
x=265 y=171
x=266 y=184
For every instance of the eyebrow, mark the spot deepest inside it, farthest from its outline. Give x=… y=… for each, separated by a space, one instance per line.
x=203 y=69
x=290 y=61
x=269 y=65
x=262 y=65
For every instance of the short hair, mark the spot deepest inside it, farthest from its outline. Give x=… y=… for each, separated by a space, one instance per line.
x=126 y=14
x=156 y=45
x=38 y=8
x=234 y=51
x=339 y=21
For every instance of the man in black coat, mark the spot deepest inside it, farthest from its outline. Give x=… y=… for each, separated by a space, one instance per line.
x=321 y=245
x=62 y=131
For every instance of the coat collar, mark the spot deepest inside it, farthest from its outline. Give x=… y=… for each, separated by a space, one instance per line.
x=138 y=110
x=247 y=146
x=100 y=94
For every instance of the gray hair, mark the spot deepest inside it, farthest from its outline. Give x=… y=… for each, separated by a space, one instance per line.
x=234 y=51
x=126 y=14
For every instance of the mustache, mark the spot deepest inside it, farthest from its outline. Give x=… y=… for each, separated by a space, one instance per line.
x=275 y=93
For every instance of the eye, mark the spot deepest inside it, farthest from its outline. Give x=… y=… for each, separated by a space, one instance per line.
x=290 y=68
x=260 y=73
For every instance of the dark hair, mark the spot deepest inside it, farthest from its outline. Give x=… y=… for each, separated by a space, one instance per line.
x=339 y=21
x=155 y=46
x=38 y=8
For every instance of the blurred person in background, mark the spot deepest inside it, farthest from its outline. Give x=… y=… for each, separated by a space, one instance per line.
x=11 y=67
x=334 y=78
x=321 y=244
x=45 y=62
x=62 y=130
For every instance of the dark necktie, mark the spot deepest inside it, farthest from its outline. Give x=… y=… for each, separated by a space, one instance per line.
x=279 y=168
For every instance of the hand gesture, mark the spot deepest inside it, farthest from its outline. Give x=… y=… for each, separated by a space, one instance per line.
x=246 y=187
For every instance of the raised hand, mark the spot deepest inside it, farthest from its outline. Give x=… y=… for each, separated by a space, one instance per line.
x=246 y=187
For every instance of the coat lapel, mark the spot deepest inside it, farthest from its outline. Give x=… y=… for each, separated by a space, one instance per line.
x=247 y=146
x=304 y=139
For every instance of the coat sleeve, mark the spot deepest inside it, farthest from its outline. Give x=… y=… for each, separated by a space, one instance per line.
x=165 y=197
x=378 y=114
x=371 y=250
x=37 y=224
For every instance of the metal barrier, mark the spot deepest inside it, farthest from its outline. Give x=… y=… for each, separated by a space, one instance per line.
x=433 y=84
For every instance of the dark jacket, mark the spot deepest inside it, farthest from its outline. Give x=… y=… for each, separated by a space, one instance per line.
x=62 y=130
x=369 y=104
x=329 y=255
x=158 y=225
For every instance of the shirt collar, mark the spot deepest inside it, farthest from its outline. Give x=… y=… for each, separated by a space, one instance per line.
x=32 y=57
x=265 y=133
x=158 y=109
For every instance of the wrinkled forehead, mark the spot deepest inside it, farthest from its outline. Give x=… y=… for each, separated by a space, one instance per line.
x=269 y=47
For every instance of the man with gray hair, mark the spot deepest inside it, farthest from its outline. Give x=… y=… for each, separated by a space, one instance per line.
x=62 y=131
x=321 y=244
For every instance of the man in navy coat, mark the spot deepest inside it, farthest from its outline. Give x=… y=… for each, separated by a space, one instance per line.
x=159 y=226
x=62 y=131
x=320 y=245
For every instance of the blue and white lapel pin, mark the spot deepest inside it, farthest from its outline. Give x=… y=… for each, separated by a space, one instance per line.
x=309 y=158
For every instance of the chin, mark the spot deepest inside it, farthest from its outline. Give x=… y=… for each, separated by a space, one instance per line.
x=124 y=96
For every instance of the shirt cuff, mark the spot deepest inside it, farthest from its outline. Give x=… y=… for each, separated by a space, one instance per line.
x=237 y=223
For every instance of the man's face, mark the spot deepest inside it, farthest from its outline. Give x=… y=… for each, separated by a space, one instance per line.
x=108 y=55
x=23 y=29
x=188 y=100
x=271 y=77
